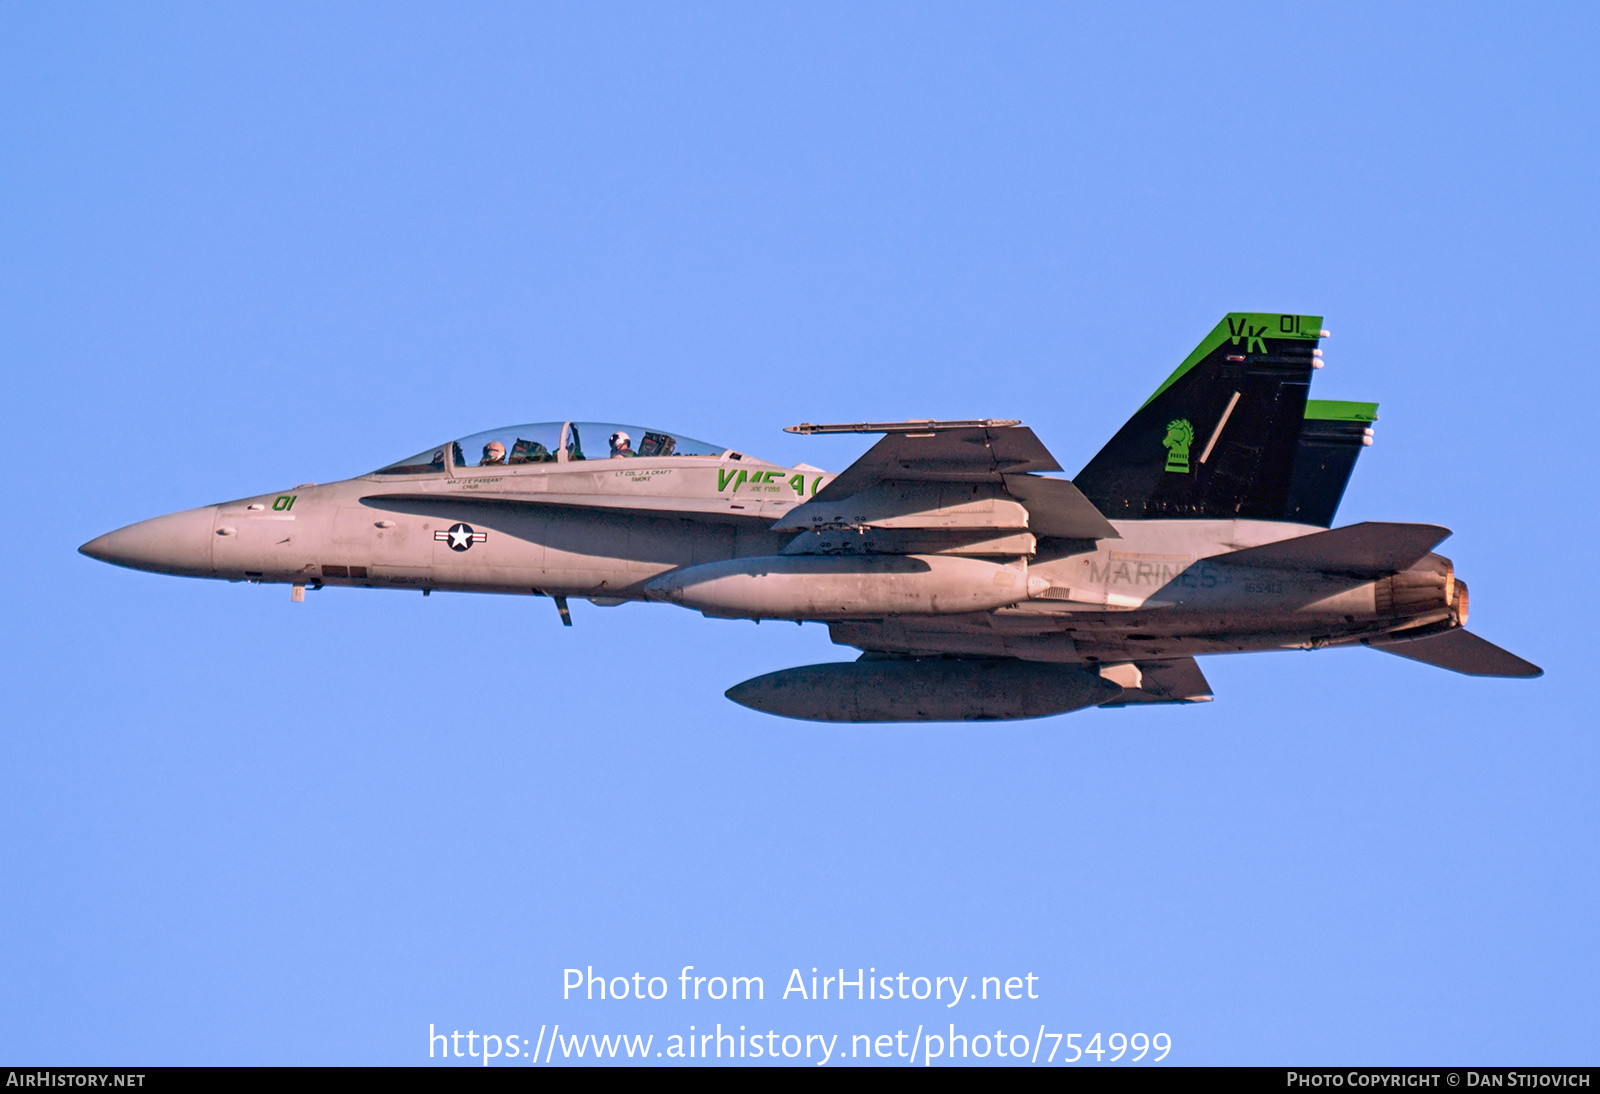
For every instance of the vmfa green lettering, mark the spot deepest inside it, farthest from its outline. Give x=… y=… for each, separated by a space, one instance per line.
x=763 y=480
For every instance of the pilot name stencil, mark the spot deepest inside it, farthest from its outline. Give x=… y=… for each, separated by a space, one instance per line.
x=645 y=475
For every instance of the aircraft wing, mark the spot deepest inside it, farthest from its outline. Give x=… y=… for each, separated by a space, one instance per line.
x=905 y=480
x=1459 y=651
x=968 y=454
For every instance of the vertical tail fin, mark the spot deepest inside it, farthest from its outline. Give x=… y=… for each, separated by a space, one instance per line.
x=1218 y=438
x=1331 y=438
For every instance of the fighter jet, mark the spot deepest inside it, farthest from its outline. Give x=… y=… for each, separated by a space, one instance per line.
x=976 y=583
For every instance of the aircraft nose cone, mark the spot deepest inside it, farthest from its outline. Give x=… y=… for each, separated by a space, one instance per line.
x=178 y=543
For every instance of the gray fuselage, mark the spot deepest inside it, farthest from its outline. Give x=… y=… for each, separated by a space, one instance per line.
x=605 y=529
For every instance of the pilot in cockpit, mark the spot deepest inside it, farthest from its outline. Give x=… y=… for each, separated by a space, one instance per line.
x=493 y=453
x=621 y=445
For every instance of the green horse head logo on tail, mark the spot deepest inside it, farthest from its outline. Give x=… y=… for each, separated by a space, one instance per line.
x=1180 y=435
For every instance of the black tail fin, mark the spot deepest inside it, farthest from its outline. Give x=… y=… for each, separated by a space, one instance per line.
x=1218 y=439
x=1331 y=437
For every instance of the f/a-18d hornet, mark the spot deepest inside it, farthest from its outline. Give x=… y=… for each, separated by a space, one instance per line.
x=976 y=586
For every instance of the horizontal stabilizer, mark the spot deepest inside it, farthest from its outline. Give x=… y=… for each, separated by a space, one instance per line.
x=1459 y=651
x=1370 y=549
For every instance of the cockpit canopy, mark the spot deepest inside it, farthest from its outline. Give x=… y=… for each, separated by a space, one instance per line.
x=551 y=442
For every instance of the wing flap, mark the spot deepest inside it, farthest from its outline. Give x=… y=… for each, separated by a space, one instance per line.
x=1459 y=651
x=1369 y=549
x=1058 y=508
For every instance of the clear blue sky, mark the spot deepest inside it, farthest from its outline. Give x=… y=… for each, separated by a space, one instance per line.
x=251 y=245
